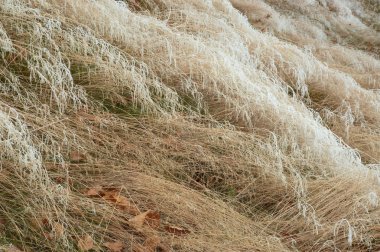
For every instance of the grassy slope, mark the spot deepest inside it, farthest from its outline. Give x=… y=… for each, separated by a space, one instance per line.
x=240 y=125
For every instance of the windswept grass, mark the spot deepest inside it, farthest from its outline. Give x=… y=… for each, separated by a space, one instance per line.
x=221 y=125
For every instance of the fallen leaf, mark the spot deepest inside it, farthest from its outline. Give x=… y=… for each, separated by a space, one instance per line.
x=111 y=195
x=90 y=117
x=95 y=191
x=138 y=221
x=63 y=181
x=86 y=243
x=153 y=219
x=38 y=222
x=116 y=246
x=151 y=243
x=58 y=229
x=176 y=230
x=48 y=236
x=77 y=157
x=59 y=180
x=121 y=201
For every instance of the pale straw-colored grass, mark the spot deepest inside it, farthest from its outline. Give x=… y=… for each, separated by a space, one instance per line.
x=249 y=125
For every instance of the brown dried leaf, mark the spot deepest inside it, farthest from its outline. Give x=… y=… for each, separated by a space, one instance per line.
x=176 y=230
x=121 y=201
x=126 y=205
x=38 y=222
x=93 y=118
x=138 y=221
x=59 y=180
x=45 y=222
x=110 y=195
x=153 y=219
x=116 y=246
x=95 y=191
x=58 y=229
x=48 y=236
x=77 y=157
x=86 y=243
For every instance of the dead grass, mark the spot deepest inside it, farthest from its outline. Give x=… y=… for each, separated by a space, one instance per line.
x=242 y=126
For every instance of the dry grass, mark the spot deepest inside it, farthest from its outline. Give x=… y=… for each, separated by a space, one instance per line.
x=244 y=125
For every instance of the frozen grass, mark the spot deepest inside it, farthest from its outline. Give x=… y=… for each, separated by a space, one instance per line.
x=249 y=125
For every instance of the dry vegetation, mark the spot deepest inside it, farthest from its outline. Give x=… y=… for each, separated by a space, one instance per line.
x=201 y=125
